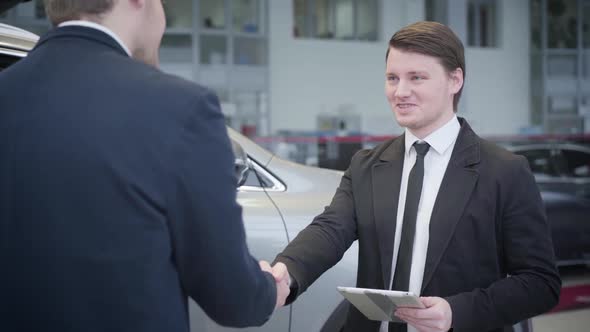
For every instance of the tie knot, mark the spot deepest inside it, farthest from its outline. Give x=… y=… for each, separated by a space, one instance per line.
x=421 y=148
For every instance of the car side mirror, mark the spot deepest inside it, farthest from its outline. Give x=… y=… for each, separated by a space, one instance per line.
x=241 y=164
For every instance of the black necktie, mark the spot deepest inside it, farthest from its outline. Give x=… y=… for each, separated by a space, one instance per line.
x=401 y=276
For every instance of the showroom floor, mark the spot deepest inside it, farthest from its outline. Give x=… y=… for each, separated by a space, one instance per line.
x=573 y=311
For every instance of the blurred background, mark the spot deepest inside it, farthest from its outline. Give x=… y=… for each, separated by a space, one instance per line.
x=310 y=68
x=305 y=79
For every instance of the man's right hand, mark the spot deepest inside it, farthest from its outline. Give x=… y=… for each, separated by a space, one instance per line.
x=283 y=289
x=281 y=274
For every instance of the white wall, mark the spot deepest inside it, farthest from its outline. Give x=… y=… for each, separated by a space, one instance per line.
x=497 y=95
x=311 y=76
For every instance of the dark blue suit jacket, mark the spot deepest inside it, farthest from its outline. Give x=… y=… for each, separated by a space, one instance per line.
x=117 y=197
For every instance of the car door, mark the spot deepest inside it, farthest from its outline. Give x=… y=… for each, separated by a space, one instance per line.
x=301 y=194
x=266 y=236
x=310 y=190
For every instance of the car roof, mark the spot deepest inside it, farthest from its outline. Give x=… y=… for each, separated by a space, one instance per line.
x=547 y=146
x=16 y=40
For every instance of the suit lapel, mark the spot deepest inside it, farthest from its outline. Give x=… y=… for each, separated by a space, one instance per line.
x=386 y=177
x=458 y=183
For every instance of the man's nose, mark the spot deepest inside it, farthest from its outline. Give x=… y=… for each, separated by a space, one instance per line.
x=403 y=89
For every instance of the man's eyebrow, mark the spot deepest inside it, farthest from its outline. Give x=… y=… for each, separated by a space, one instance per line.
x=413 y=72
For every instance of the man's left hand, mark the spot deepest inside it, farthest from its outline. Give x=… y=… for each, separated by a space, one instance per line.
x=436 y=317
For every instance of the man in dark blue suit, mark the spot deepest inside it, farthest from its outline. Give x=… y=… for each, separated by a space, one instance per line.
x=117 y=191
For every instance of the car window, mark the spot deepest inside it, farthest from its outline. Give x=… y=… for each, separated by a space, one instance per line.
x=255 y=178
x=577 y=163
x=539 y=161
x=7 y=60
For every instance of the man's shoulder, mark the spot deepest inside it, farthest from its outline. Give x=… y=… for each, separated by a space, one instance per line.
x=167 y=85
x=486 y=150
x=496 y=152
x=174 y=94
x=500 y=160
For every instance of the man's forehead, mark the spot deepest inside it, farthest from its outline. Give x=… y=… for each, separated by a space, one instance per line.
x=409 y=54
x=412 y=62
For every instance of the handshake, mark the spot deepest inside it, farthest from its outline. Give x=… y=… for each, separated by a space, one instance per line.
x=282 y=279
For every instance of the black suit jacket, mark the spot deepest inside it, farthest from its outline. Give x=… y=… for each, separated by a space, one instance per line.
x=117 y=197
x=488 y=223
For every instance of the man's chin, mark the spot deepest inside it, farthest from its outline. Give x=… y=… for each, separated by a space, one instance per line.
x=406 y=120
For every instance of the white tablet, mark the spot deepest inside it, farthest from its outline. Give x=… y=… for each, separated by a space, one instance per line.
x=379 y=304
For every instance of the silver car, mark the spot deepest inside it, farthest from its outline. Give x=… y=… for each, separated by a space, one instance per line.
x=280 y=198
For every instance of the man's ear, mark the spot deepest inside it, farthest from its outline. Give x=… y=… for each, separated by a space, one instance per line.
x=456 y=78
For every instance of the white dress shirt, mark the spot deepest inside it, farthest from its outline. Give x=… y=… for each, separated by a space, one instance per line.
x=97 y=26
x=442 y=142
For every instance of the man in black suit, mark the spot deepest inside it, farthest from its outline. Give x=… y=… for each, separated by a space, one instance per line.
x=117 y=190
x=437 y=211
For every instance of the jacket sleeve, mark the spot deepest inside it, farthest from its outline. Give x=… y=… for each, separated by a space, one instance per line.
x=533 y=283
x=210 y=251
x=322 y=243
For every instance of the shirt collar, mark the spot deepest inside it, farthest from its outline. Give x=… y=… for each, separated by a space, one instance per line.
x=440 y=140
x=96 y=26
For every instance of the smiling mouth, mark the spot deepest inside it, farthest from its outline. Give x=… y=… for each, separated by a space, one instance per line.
x=404 y=106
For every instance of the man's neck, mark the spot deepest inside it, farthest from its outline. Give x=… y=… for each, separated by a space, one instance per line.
x=98 y=26
x=422 y=133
